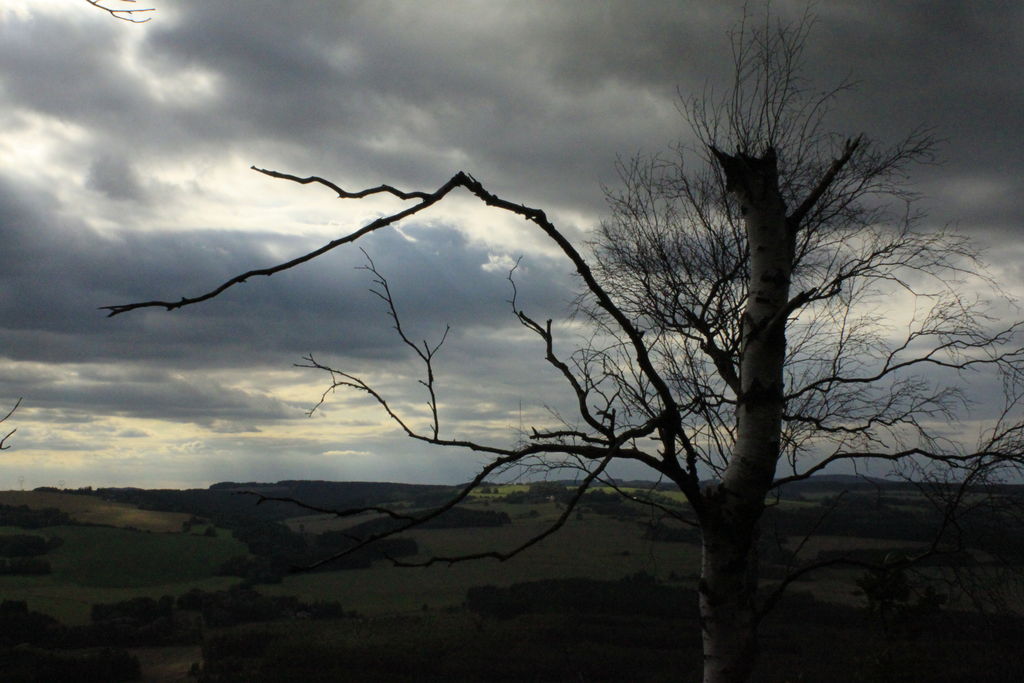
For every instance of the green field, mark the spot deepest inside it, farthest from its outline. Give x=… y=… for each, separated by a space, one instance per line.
x=109 y=557
x=592 y=547
x=71 y=604
x=104 y=564
x=136 y=553
x=423 y=609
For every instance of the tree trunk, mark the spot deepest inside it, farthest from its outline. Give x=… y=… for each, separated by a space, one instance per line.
x=733 y=508
x=727 y=589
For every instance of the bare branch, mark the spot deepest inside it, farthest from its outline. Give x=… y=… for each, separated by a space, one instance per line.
x=796 y=218
x=340 y=513
x=656 y=505
x=344 y=194
x=529 y=543
x=125 y=14
x=407 y=524
x=427 y=201
x=3 y=440
x=425 y=352
x=591 y=450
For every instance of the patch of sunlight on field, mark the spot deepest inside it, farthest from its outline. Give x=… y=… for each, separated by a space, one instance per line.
x=168 y=663
x=93 y=510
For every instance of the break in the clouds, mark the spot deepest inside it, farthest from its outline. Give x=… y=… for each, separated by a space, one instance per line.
x=124 y=155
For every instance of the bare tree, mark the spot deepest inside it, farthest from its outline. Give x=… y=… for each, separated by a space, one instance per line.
x=129 y=14
x=738 y=325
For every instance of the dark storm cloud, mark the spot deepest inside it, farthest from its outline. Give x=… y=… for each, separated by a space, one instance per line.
x=116 y=178
x=68 y=69
x=536 y=97
x=406 y=92
x=61 y=271
x=143 y=393
x=948 y=66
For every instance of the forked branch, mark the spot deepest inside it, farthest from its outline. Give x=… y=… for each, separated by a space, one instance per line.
x=3 y=440
x=426 y=352
x=668 y=423
x=124 y=14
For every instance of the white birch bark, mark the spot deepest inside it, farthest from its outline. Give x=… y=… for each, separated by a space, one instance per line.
x=729 y=570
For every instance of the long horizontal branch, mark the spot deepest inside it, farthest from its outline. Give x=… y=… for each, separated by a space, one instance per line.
x=668 y=422
x=337 y=512
x=589 y=450
x=427 y=200
x=530 y=542
x=345 y=194
x=959 y=345
x=409 y=523
x=896 y=456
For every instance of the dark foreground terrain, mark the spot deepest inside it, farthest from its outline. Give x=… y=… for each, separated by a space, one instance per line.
x=130 y=584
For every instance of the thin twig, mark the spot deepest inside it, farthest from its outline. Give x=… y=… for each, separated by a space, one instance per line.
x=124 y=14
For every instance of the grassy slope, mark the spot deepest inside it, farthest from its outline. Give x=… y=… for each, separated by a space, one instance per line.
x=594 y=546
x=103 y=564
x=92 y=510
x=98 y=564
x=108 y=564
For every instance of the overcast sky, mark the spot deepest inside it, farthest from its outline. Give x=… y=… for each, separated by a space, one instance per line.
x=124 y=175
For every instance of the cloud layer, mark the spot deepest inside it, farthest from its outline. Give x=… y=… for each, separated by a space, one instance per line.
x=125 y=152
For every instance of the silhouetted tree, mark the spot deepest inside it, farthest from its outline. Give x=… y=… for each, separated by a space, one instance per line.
x=738 y=326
